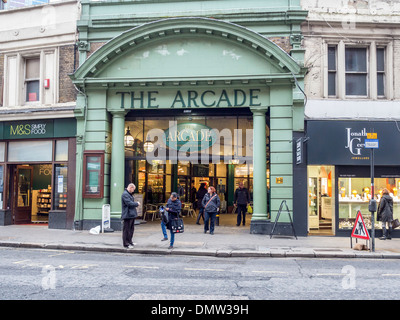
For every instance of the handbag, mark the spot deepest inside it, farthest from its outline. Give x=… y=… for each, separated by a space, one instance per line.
x=177 y=225
x=395 y=223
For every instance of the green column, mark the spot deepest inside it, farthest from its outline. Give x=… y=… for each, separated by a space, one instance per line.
x=259 y=165
x=117 y=162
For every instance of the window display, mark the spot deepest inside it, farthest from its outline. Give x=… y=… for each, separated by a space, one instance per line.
x=354 y=196
x=1 y=186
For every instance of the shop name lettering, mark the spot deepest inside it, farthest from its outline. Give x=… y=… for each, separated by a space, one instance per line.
x=354 y=143
x=192 y=98
x=27 y=129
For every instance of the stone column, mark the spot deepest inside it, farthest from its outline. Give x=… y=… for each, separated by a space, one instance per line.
x=117 y=162
x=259 y=166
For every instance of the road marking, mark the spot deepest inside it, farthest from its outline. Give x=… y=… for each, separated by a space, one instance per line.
x=330 y=274
x=391 y=275
x=142 y=267
x=198 y=269
x=22 y=261
x=269 y=271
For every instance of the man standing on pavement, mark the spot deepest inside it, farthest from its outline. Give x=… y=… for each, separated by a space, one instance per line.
x=241 y=200
x=128 y=215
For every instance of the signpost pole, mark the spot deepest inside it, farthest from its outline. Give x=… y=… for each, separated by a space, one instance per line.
x=372 y=198
x=372 y=143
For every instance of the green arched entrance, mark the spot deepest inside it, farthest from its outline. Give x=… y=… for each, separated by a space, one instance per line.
x=189 y=64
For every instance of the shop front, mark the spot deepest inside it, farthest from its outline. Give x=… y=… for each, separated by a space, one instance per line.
x=339 y=173
x=223 y=161
x=37 y=168
x=178 y=102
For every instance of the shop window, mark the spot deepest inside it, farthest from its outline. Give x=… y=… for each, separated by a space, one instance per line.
x=93 y=174
x=354 y=196
x=60 y=186
x=62 y=150
x=2 y=151
x=32 y=79
x=1 y=185
x=30 y=151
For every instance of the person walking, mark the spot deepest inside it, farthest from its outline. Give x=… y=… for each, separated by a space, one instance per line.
x=210 y=204
x=174 y=207
x=385 y=214
x=128 y=215
x=241 y=200
x=200 y=195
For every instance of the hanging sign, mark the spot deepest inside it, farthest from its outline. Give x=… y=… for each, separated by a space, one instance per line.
x=360 y=230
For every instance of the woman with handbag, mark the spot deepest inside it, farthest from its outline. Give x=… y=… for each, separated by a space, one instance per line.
x=174 y=207
x=211 y=204
x=385 y=214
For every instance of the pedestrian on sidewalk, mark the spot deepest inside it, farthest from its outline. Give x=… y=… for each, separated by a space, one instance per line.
x=211 y=205
x=174 y=207
x=241 y=201
x=128 y=215
x=200 y=195
x=385 y=214
x=164 y=221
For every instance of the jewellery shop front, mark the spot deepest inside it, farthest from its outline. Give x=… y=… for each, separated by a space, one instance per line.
x=37 y=172
x=339 y=176
x=178 y=102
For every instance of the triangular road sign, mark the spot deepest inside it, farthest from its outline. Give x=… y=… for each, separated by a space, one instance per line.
x=360 y=230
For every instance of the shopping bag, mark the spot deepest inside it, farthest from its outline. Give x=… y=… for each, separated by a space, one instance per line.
x=177 y=225
x=395 y=223
x=249 y=209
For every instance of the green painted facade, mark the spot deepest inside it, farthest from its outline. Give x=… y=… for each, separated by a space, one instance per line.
x=189 y=54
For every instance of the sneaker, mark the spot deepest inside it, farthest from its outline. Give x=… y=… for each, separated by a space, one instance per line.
x=164 y=239
x=170 y=247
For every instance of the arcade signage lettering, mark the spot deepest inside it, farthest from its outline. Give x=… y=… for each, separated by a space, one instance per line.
x=190 y=98
x=192 y=135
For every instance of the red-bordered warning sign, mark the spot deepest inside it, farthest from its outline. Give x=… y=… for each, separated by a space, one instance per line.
x=360 y=230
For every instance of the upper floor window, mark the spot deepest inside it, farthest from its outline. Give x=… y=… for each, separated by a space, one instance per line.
x=356 y=72
x=32 y=78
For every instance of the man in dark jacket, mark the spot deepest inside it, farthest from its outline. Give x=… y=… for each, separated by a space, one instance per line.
x=241 y=200
x=128 y=215
x=200 y=195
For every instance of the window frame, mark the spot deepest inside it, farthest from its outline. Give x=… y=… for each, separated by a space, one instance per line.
x=27 y=80
x=372 y=48
x=14 y=85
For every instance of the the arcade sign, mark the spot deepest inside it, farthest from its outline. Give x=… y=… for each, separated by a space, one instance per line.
x=216 y=97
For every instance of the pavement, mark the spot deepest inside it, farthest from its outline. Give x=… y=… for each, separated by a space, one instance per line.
x=227 y=241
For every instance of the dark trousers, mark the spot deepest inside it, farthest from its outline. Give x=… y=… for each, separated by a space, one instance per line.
x=201 y=214
x=241 y=210
x=209 y=216
x=127 y=231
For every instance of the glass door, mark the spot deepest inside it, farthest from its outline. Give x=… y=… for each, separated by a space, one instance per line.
x=23 y=194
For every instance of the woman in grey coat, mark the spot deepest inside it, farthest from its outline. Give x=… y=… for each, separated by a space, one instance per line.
x=211 y=204
x=385 y=214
